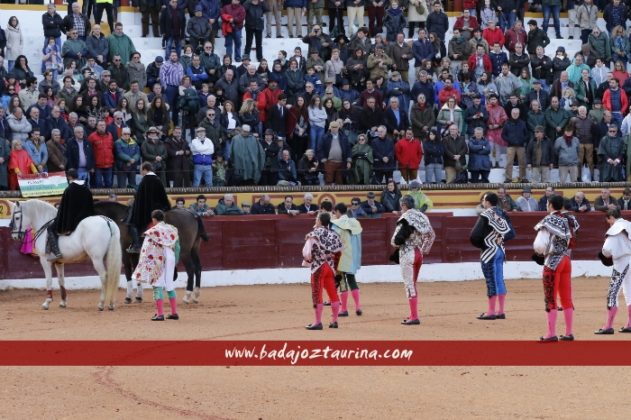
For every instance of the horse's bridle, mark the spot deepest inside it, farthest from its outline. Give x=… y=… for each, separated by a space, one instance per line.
x=19 y=232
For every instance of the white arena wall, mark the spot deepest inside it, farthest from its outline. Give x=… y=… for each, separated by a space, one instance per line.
x=369 y=274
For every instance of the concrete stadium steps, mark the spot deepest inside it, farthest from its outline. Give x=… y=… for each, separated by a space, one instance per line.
x=128 y=18
x=30 y=21
x=151 y=47
x=496 y=176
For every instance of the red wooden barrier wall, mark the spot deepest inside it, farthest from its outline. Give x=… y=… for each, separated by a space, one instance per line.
x=247 y=242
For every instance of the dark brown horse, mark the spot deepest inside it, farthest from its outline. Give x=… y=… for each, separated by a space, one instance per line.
x=190 y=232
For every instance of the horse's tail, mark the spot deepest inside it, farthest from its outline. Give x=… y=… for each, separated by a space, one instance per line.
x=113 y=263
x=201 y=229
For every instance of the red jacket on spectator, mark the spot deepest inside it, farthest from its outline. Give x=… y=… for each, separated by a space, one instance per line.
x=445 y=94
x=513 y=37
x=226 y=26
x=624 y=101
x=621 y=75
x=248 y=95
x=493 y=36
x=103 y=148
x=486 y=62
x=267 y=99
x=237 y=12
x=473 y=23
x=409 y=153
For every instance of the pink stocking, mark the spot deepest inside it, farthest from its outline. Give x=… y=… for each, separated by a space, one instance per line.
x=318 y=313
x=160 y=307
x=552 y=322
x=611 y=315
x=629 y=320
x=413 y=307
x=491 y=310
x=172 y=303
x=355 y=294
x=501 y=299
x=568 y=313
x=344 y=299
x=335 y=309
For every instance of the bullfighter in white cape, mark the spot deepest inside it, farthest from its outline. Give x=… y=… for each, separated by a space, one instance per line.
x=616 y=252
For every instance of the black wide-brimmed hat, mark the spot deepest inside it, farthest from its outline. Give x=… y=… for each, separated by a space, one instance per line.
x=341 y=37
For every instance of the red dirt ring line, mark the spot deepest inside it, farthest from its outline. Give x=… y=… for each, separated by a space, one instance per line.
x=104 y=377
x=300 y=328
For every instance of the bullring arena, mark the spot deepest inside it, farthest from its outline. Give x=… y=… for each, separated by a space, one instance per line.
x=254 y=289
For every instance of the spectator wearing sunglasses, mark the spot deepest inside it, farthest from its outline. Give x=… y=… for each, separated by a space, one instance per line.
x=355 y=209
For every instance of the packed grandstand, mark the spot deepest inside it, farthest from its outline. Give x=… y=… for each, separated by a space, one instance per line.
x=410 y=93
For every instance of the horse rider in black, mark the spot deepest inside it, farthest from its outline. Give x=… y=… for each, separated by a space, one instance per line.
x=76 y=204
x=150 y=196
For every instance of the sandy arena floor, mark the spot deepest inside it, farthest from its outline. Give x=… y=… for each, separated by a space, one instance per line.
x=448 y=311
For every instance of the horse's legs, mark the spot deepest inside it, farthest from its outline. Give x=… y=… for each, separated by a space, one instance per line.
x=62 y=286
x=190 y=269
x=48 y=272
x=100 y=269
x=188 y=264
x=130 y=291
x=139 y=291
x=130 y=284
x=198 y=272
x=129 y=264
x=132 y=259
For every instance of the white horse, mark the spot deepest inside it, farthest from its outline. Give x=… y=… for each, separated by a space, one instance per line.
x=96 y=237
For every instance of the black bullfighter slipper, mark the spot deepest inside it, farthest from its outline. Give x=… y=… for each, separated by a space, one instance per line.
x=625 y=330
x=343 y=313
x=157 y=317
x=567 y=337
x=333 y=324
x=552 y=339
x=314 y=326
x=484 y=317
x=604 y=331
x=411 y=322
x=500 y=316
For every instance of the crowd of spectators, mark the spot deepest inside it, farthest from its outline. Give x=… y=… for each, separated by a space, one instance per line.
x=371 y=207
x=343 y=112
x=577 y=203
